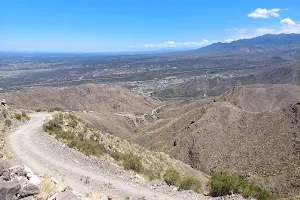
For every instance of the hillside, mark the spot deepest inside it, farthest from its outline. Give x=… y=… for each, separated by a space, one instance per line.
x=9 y=119
x=287 y=43
x=216 y=85
x=101 y=105
x=251 y=130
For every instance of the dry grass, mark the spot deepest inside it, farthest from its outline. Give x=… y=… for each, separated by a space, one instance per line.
x=95 y=195
x=48 y=187
x=7 y=154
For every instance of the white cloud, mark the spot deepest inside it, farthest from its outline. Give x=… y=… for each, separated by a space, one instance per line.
x=264 y=13
x=287 y=21
x=289 y=26
x=173 y=44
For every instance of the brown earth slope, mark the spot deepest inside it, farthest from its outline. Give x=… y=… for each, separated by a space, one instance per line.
x=253 y=131
x=102 y=105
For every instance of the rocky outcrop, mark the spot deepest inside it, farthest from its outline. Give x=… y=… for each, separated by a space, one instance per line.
x=16 y=182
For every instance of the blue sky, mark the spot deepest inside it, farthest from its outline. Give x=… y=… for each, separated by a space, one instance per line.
x=138 y=25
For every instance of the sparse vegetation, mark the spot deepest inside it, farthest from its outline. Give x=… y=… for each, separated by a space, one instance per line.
x=95 y=195
x=132 y=162
x=55 y=109
x=224 y=184
x=7 y=122
x=89 y=141
x=18 y=116
x=49 y=187
x=172 y=177
x=190 y=183
x=25 y=116
x=38 y=110
x=87 y=180
x=7 y=154
x=73 y=138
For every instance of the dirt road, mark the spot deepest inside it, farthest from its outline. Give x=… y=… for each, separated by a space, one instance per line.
x=41 y=152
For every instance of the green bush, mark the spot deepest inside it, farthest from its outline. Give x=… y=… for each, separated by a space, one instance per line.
x=224 y=184
x=25 y=116
x=221 y=184
x=18 y=116
x=73 y=123
x=116 y=155
x=172 y=177
x=38 y=110
x=73 y=139
x=190 y=183
x=55 y=109
x=129 y=161
x=132 y=162
x=150 y=174
x=7 y=122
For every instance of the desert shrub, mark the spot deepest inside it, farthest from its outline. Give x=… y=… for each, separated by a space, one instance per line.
x=72 y=139
x=224 y=184
x=7 y=122
x=221 y=184
x=38 y=110
x=53 y=125
x=129 y=161
x=73 y=123
x=190 y=183
x=25 y=116
x=55 y=109
x=18 y=116
x=150 y=174
x=172 y=177
x=116 y=155
x=132 y=162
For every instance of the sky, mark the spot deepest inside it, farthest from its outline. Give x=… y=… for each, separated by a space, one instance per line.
x=139 y=25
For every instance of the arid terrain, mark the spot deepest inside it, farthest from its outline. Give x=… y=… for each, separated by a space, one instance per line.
x=226 y=108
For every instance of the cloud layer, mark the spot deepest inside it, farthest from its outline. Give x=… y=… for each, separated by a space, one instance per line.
x=264 y=13
x=173 y=44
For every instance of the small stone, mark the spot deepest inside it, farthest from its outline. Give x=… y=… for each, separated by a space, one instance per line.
x=29 y=190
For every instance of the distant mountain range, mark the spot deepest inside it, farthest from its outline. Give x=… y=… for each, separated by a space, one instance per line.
x=287 y=43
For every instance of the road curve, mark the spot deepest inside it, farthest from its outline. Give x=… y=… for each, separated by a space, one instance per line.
x=34 y=148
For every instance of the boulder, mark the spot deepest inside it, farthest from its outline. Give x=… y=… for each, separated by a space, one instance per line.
x=35 y=180
x=29 y=172
x=8 y=190
x=28 y=190
x=18 y=170
x=3 y=166
x=6 y=175
x=22 y=180
x=66 y=195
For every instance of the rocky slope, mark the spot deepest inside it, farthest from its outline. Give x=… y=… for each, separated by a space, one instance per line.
x=216 y=85
x=252 y=131
x=266 y=43
x=104 y=106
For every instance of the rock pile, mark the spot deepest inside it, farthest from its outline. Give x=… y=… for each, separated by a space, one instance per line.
x=17 y=182
x=20 y=183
